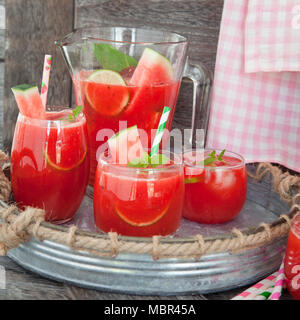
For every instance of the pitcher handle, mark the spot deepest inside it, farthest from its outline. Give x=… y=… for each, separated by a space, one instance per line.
x=202 y=83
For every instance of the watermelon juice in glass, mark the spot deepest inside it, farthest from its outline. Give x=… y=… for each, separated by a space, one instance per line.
x=136 y=194
x=127 y=74
x=292 y=259
x=215 y=185
x=140 y=202
x=50 y=161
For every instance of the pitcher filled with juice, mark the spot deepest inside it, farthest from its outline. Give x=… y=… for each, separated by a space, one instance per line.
x=125 y=76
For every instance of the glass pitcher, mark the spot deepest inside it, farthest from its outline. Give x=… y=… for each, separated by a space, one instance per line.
x=126 y=76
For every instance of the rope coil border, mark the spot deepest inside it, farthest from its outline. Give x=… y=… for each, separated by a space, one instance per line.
x=18 y=226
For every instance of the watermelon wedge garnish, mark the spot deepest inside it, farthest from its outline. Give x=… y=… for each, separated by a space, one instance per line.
x=152 y=68
x=29 y=101
x=125 y=146
x=105 y=100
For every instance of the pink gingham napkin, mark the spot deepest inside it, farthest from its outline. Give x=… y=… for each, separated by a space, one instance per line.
x=256 y=114
x=272 y=36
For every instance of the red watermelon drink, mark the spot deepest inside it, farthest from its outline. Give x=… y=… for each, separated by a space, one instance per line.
x=292 y=259
x=139 y=199
x=49 y=161
x=136 y=94
x=215 y=186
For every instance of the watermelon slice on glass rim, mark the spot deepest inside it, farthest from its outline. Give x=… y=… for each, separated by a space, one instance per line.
x=29 y=101
x=125 y=146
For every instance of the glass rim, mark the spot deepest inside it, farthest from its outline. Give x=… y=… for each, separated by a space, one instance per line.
x=161 y=168
x=67 y=39
x=225 y=167
x=80 y=119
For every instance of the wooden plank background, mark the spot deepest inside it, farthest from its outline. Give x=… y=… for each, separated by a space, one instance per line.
x=198 y=20
x=32 y=29
x=2 y=48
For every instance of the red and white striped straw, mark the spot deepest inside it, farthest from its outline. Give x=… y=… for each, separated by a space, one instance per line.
x=279 y=283
x=257 y=289
x=45 y=79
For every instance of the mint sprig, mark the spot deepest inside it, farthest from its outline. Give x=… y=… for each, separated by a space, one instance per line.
x=149 y=162
x=111 y=58
x=75 y=113
x=212 y=158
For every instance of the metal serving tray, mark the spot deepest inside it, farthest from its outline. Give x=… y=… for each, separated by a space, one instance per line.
x=140 y=274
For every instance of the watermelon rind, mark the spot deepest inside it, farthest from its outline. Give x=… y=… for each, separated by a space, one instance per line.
x=29 y=101
x=23 y=87
x=149 y=60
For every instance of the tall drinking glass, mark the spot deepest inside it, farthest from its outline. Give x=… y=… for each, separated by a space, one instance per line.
x=50 y=164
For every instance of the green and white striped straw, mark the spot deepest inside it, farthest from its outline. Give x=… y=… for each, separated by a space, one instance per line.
x=265 y=295
x=160 y=131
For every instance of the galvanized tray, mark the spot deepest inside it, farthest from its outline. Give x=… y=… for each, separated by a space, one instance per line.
x=140 y=274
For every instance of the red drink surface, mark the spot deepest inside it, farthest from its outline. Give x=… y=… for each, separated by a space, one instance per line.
x=138 y=204
x=50 y=165
x=215 y=194
x=292 y=261
x=144 y=108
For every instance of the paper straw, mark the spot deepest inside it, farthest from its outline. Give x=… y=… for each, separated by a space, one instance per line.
x=45 y=79
x=160 y=131
x=279 y=283
x=258 y=288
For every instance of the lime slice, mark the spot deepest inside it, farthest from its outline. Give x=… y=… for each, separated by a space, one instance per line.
x=142 y=220
x=193 y=179
x=53 y=165
x=106 y=92
x=107 y=77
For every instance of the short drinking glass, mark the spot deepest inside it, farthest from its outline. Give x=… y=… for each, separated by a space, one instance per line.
x=138 y=201
x=216 y=192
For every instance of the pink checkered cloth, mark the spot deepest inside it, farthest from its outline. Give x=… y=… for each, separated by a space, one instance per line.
x=255 y=108
x=272 y=36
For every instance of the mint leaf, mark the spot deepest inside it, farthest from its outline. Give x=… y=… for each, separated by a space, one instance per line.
x=212 y=158
x=149 y=162
x=220 y=157
x=140 y=162
x=75 y=113
x=111 y=58
x=158 y=159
